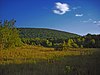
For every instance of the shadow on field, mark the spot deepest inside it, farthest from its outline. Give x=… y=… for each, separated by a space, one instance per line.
x=69 y=65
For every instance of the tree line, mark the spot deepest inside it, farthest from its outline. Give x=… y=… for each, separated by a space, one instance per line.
x=88 y=41
x=11 y=37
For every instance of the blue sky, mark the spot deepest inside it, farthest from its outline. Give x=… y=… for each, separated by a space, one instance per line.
x=76 y=16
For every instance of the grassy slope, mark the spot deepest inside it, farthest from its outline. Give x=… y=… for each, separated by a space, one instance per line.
x=44 y=33
x=30 y=60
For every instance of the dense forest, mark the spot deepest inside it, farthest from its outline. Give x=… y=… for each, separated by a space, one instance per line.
x=58 y=39
x=12 y=37
x=44 y=33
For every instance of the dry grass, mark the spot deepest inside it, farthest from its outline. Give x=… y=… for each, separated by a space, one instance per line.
x=36 y=60
x=31 y=54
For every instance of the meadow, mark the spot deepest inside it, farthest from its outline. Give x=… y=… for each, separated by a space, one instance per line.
x=37 y=60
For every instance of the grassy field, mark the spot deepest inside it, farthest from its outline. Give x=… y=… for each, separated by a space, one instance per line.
x=35 y=60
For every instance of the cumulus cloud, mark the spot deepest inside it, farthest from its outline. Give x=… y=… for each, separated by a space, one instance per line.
x=79 y=15
x=61 y=8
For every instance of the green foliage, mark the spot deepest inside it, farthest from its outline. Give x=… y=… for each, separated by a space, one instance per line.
x=55 y=38
x=9 y=35
x=72 y=44
x=48 y=43
x=81 y=46
x=77 y=42
x=64 y=45
x=92 y=41
x=44 y=33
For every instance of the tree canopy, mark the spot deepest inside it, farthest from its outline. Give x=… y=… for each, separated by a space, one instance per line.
x=9 y=35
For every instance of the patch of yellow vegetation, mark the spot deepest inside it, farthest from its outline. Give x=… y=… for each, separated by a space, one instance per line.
x=33 y=53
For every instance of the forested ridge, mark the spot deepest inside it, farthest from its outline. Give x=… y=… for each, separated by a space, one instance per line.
x=44 y=33
x=58 y=39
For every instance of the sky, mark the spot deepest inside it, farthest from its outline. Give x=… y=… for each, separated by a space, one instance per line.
x=75 y=16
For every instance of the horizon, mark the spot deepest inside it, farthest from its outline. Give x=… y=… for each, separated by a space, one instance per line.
x=79 y=17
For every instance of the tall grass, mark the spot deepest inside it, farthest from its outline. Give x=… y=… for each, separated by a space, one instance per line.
x=31 y=53
x=34 y=60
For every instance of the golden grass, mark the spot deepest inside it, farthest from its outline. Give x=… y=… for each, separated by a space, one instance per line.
x=30 y=54
x=36 y=60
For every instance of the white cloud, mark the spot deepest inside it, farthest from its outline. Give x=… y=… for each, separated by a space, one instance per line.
x=61 y=8
x=79 y=15
x=97 y=22
x=94 y=22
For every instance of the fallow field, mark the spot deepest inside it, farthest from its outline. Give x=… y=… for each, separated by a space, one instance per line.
x=37 y=60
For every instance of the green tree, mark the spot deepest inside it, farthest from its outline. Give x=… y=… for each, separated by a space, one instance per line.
x=69 y=43
x=72 y=44
x=9 y=35
x=64 y=45
x=93 y=41
x=48 y=43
